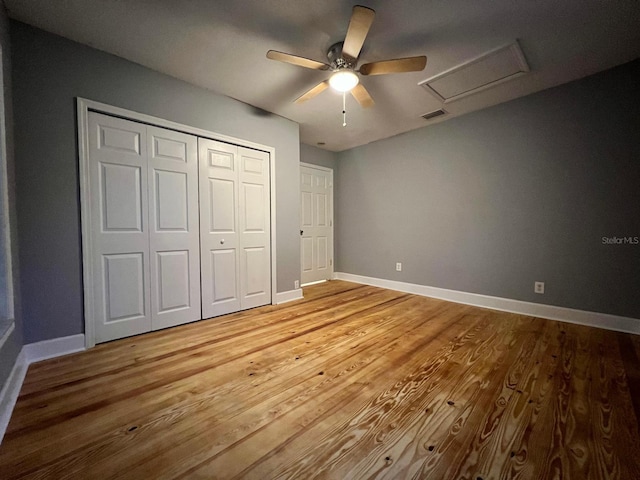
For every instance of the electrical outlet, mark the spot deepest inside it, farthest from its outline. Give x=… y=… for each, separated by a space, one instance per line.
x=538 y=287
x=398 y=267
x=296 y=284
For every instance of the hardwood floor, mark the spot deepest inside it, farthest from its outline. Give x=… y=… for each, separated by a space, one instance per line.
x=352 y=382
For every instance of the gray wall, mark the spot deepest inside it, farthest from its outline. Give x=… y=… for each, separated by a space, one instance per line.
x=48 y=73
x=11 y=348
x=492 y=201
x=317 y=156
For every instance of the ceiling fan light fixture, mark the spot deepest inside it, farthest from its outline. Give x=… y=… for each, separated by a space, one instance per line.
x=343 y=80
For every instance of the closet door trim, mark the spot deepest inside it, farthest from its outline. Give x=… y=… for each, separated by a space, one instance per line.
x=83 y=108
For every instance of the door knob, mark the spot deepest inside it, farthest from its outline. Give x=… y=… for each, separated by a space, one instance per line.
x=222 y=241
x=301 y=232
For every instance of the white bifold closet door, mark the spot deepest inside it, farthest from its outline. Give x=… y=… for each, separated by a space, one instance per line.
x=144 y=207
x=235 y=238
x=173 y=228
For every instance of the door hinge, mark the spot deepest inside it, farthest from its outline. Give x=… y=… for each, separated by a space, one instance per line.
x=331 y=223
x=331 y=262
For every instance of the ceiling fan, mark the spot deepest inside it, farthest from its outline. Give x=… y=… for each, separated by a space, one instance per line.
x=343 y=59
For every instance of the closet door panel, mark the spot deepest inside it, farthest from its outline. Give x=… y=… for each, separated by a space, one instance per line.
x=255 y=228
x=174 y=232
x=120 y=237
x=223 y=273
x=174 y=281
x=219 y=228
x=123 y=287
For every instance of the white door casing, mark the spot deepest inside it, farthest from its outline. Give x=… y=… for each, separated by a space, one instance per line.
x=235 y=238
x=316 y=223
x=173 y=227
x=120 y=240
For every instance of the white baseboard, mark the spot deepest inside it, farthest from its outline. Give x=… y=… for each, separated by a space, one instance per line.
x=31 y=353
x=313 y=283
x=290 y=296
x=11 y=390
x=54 y=348
x=551 y=312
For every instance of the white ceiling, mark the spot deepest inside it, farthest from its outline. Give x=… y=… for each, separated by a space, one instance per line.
x=221 y=45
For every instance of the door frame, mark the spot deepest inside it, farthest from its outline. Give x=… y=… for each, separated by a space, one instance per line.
x=331 y=220
x=82 y=109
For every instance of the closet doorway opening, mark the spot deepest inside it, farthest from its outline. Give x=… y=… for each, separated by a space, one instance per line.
x=158 y=201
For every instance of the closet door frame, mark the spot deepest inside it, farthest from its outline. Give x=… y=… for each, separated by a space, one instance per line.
x=82 y=109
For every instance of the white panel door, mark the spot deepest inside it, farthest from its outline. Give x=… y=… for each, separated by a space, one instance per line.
x=119 y=236
x=219 y=238
x=255 y=232
x=173 y=227
x=316 y=224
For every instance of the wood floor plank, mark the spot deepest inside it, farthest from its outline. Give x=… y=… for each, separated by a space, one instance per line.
x=461 y=418
x=409 y=360
x=528 y=396
x=404 y=359
x=630 y=356
x=497 y=428
x=333 y=373
x=121 y=401
x=614 y=418
x=376 y=423
x=352 y=382
x=107 y=359
x=210 y=352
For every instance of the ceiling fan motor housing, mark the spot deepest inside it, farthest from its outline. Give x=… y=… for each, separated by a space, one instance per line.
x=337 y=60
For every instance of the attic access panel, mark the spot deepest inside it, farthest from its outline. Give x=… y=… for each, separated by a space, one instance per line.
x=486 y=71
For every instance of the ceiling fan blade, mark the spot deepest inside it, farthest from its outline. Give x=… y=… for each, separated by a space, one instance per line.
x=321 y=87
x=361 y=20
x=399 y=65
x=362 y=96
x=295 y=60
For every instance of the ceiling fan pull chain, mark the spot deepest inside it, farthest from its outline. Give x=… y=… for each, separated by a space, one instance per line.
x=344 y=109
